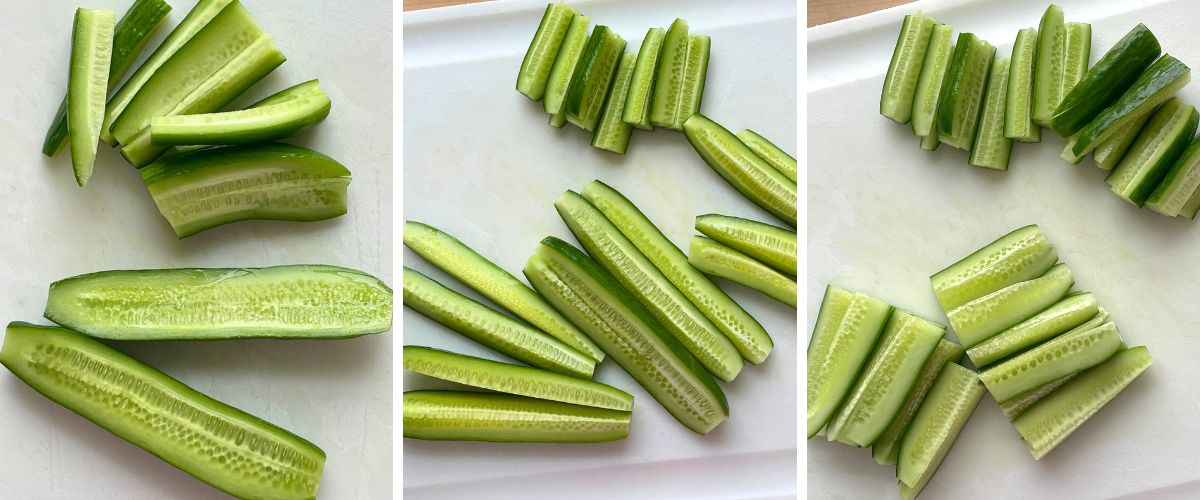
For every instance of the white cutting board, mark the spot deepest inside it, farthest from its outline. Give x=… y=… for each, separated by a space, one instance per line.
x=482 y=163
x=884 y=215
x=335 y=393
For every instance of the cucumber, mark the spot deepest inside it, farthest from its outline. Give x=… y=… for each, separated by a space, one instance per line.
x=287 y=113
x=1109 y=153
x=1180 y=183
x=490 y=280
x=218 y=444
x=568 y=57
x=503 y=418
x=740 y=167
x=769 y=152
x=612 y=134
x=668 y=80
x=1155 y=86
x=1050 y=66
x=747 y=335
x=936 y=426
x=641 y=83
x=621 y=258
x=300 y=301
x=934 y=69
x=596 y=302
x=930 y=142
x=593 y=78
x=773 y=246
x=130 y=35
x=1158 y=145
x=1017 y=405
x=1020 y=255
x=719 y=260
x=1077 y=56
x=847 y=329
x=961 y=97
x=886 y=449
x=211 y=187
x=1048 y=423
x=1191 y=207
x=543 y=49
x=694 y=75
x=1106 y=81
x=1018 y=125
x=891 y=373
x=991 y=148
x=91 y=54
x=982 y=318
x=513 y=379
x=900 y=83
x=1051 y=361
x=1067 y=314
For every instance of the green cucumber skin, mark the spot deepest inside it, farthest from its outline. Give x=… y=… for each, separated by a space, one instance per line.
x=982 y=318
x=694 y=75
x=592 y=298
x=1155 y=86
x=91 y=56
x=961 y=98
x=1159 y=144
x=899 y=84
x=1020 y=255
x=1018 y=125
x=771 y=245
x=641 y=86
x=564 y=68
x=943 y=414
x=1051 y=361
x=1078 y=55
x=934 y=69
x=504 y=418
x=513 y=379
x=886 y=449
x=120 y=394
x=769 y=152
x=1108 y=154
x=593 y=78
x=719 y=260
x=1067 y=314
x=1051 y=420
x=284 y=114
x=756 y=179
x=1017 y=405
x=543 y=49
x=668 y=80
x=1050 y=65
x=847 y=328
x=1111 y=76
x=991 y=148
x=612 y=134
x=1180 y=183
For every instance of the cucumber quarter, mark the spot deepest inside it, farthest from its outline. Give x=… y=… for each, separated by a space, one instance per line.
x=1020 y=255
x=768 y=151
x=900 y=82
x=929 y=85
x=936 y=426
x=1051 y=361
x=669 y=77
x=504 y=418
x=1149 y=159
x=719 y=260
x=1050 y=65
x=771 y=245
x=543 y=49
x=962 y=94
x=284 y=114
x=1072 y=311
x=641 y=83
x=694 y=74
x=87 y=86
x=886 y=449
x=593 y=77
x=991 y=148
x=982 y=318
x=612 y=134
x=752 y=176
x=564 y=68
x=1018 y=125
x=847 y=328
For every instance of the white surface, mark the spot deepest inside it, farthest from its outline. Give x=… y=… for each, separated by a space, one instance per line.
x=334 y=393
x=884 y=215
x=482 y=164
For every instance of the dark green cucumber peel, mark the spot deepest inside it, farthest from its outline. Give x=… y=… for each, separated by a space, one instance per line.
x=1018 y=125
x=886 y=449
x=961 y=98
x=91 y=55
x=1150 y=157
x=934 y=69
x=1076 y=58
x=756 y=179
x=847 y=328
x=281 y=115
x=769 y=152
x=218 y=444
x=564 y=68
x=543 y=49
x=1072 y=311
x=1020 y=255
x=1106 y=81
x=1051 y=361
x=1050 y=65
x=1017 y=405
x=612 y=134
x=771 y=245
x=719 y=260
x=694 y=74
x=899 y=85
x=668 y=82
x=1179 y=185
x=1155 y=86
x=936 y=426
x=641 y=83
x=991 y=148
x=982 y=318
x=593 y=78
x=504 y=418
x=1109 y=153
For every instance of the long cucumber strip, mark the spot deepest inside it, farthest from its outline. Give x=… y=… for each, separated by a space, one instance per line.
x=514 y=379
x=595 y=301
x=564 y=67
x=747 y=335
x=218 y=444
x=899 y=85
x=91 y=54
x=279 y=119
x=719 y=260
x=503 y=418
x=1051 y=361
x=991 y=148
x=1155 y=86
x=1017 y=405
x=641 y=83
x=1150 y=157
x=771 y=245
x=543 y=49
x=847 y=328
x=694 y=74
x=1110 y=152
x=668 y=82
x=982 y=318
x=490 y=280
x=1050 y=66
x=1106 y=81
x=1076 y=58
x=740 y=167
x=1067 y=314
x=937 y=425
x=1018 y=125
x=593 y=77
x=612 y=134
x=1179 y=185
x=934 y=69
x=886 y=449
x=961 y=98
x=768 y=151
x=492 y=328
x=1020 y=255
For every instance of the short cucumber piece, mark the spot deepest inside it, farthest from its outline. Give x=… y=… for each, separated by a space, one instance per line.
x=504 y=418
x=513 y=379
x=1020 y=255
x=1155 y=86
x=568 y=57
x=927 y=95
x=1048 y=423
x=543 y=49
x=612 y=134
x=886 y=449
x=695 y=72
x=768 y=151
x=301 y=301
x=719 y=260
x=930 y=142
x=773 y=246
x=1077 y=57
x=668 y=82
x=961 y=98
x=1018 y=125
x=1106 y=81
x=1191 y=207
x=1050 y=66
x=847 y=328
x=593 y=77
x=991 y=148
x=740 y=167
x=1069 y=151
x=641 y=83
x=900 y=83
x=1051 y=361
x=1017 y=405
x=558 y=120
x=621 y=258
x=91 y=54
x=211 y=187
x=747 y=335
x=490 y=280
x=218 y=444
x=492 y=328
x=936 y=426
x=1068 y=313
x=289 y=112
x=595 y=301
x=892 y=371
x=1180 y=183
x=982 y=318
x=1150 y=157
x=1109 y=153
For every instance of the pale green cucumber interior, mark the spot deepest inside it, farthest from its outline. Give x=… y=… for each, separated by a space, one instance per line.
x=539 y=58
x=980 y=319
x=847 y=328
x=1110 y=152
x=1017 y=405
x=741 y=168
x=1050 y=65
x=1018 y=125
x=962 y=94
x=87 y=87
x=258 y=124
x=771 y=245
x=934 y=69
x=932 y=433
x=612 y=134
x=1069 y=313
x=991 y=148
x=900 y=82
x=668 y=81
x=1153 y=152
x=564 y=68
x=694 y=75
x=641 y=84
x=768 y=151
x=1051 y=361
x=719 y=260
x=1179 y=185
x=1077 y=55
x=886 y=449
x=1020 y=255
x=477 y=416
x=593 y=77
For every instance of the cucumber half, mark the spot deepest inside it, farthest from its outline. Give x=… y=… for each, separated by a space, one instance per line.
x=936 y=426
x=284 y=114
x=477 y=416
x=768 y=151
x=886 y=449
x=773 y=246
x=1104 y=82
x=694 y=74
x=1179 y=185
x=564 y=68
x=1072 y=311
x=669 y=80
x=719 y=260
x=847 y=328
x=1050 y=65
x=612 y=134
x=1158 y=145
x=934 y=69
x=1020 y=255
x=543 y=49
x=899 y=85
x=756 y=179
x=982 y=318
x=91 y=54
x=962 y=94
x=1051 y=361
x=991 y=148
x=641 y=83
x=1155 y=86
x=1018 y=125
x=593 y=77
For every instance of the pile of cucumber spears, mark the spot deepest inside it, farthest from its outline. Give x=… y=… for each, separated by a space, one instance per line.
x=630 y=295
x=169 y=107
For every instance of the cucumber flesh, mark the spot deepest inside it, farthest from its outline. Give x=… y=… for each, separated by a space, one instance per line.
x=1014 y=407
x=771 y=245
x=1067 y=314
x=543 y=49
x=1050 y=66
x=1051 y=361
x=1155 y=86
x=1155 y=150
x=936 y=426
x=991 y=148
x=694 y=74
x=1106 y=81
x=668 y=81
x=1018 y=125
x=91 y=54
x=934 y=69
x=283 y=117
x=641 y=83
x=218 y=444
x=886 y=448
x=982 y=318
x=847 y=328
x=719 y=260
x=899 y=85
x=768 y=151
x=1179 y=185
x=1020 y=255
x=756 y=179
x=1069 y=151
x=1191 y=207
x=565 y=62
x=1077 y=56
x=962 y=94
x=612 y=134
x=504 y=418
x=1109 y=153
x=930 y=142
x=593 y=78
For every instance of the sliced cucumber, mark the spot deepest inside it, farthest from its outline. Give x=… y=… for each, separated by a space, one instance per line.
x=1068 y=313
x=287 y=113
x=768 y=151
x=1191 y=207
x=227 y=448
x=1051 y=361
x=596 y=302
x=1050 y=65
x=719 y=260
x=962 y=94
x=694 y=74
x=1020 y=255
x=1077 y=56
x=900 y=83
x=752 y=176
x=1018 y=124
x=1109 y=153
x=991 y=148
x=1106 y=81
x=982 y=318
x=1048 y=423
x=936 y=426
x=930 y=142
x=886 y=449
x=668 y=81
x=593 y=77
x=934 y=69
x=1158 y=145
x=565 y=62
x=91 y=54
x=1155 y=86
x=543 y=50
x=773 y=246
x=1069 y=151
x=1180 y=183
x=477 y=416
x=847 y=328
x=641 y=83
x=612 y=134
x=1017 y=405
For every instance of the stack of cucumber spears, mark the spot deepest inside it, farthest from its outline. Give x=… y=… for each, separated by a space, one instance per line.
x=1122 y=110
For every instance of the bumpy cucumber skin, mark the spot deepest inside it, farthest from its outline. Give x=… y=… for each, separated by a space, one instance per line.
x=1106 y=80
x=247 y=457
x=886 y=449
x=1076 y=58
x=612 y=134
x=899 y=84
x=982 y=318
x=847 y=328
x=768 y=151
x=773 y=246
x=1159 y=144
x=1155 y=86
x=934 y=69
x=564 y=68
x=937 y=425
x=91 y=54
x=1179 y=185
x=641 y=86
x=1018 y=125
x=543 y=49
x=1051 y=361
x=961 y=98
x=281 y=115
x=1050 y=65
x=1020 y=255
x=593 y=78
x=991 y=148
x=1067 y=314
x=668 y=82
x=719 y=260
x=1017 y=405
x=756 y=179
x=504 y=418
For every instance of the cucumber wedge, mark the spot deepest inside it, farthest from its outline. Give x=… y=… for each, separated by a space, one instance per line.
x=719 y=260
x=1110 y=152
x=91 y=54
x=503 y=418
x=513 y=379
x=543 y=49
x=1017 y=405
x=962 y=94
x=287 y=113
x=641 y=83
x=1077 y=57
x=1050 y=66
x=930 y=142
x=1155 y=86
x=1048 y=423
x=768 y=151
x=694 y=74
x=991 y=148
x=1018 y=125
x=612 y=134
x=900 y=83
x=668 y=82
x=934 y=69
x=211 y=187
x=1020 y=255
x=227 y=448
x=756 y=179
x=1067 y=314
x=982 y=318
x=773 y=246
x=847 y=328
x=593 y=78
x=565 y=62
x=1150 y=157
x=1051 y=361
x=1106 y=81
x=886 y=448
x=596 y=302
x=1179 y=185
x=490 y=280
x=936 y=426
